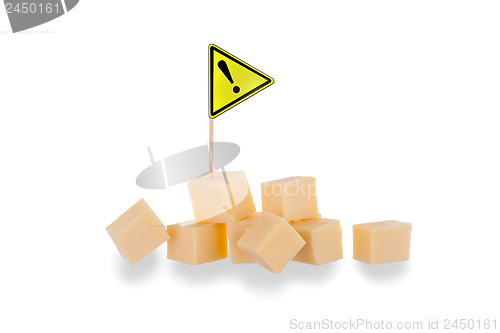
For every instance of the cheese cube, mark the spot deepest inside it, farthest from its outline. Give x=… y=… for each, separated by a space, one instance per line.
x=213 y=199
x=323 y=241
x=381 y=242
x=234 y=232
x=197 y=243
x=137 y=232
x=271 y=242
x=292 y=198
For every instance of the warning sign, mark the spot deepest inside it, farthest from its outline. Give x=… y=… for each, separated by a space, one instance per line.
x=231 y=81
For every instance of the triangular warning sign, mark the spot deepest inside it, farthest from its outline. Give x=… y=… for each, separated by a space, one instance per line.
x=231 y=81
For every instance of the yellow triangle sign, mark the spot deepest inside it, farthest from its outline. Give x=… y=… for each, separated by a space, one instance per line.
x=231 y=81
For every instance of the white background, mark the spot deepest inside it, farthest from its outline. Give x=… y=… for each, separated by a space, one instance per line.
x=392 y=105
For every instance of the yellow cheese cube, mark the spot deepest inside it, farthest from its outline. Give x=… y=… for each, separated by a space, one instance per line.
x=292 y=198
x=137 y=232
x=381 y=242
x=234 y=231
x=213 y=199
x=271 y=242
x=197 y=243
x=323 y=241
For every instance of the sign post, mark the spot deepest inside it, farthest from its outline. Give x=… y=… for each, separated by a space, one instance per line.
x=230 y=82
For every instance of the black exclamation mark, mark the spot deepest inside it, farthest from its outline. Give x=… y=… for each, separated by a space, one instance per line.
x=223 y=67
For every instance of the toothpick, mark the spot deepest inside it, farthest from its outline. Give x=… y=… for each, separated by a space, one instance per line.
x=211 y=146
x=228 y=188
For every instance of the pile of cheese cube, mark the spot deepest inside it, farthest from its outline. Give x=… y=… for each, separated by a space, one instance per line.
x=288 y=228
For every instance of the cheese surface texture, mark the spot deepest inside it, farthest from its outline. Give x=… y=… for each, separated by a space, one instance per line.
x=234 y=232
x=197 y=243
x=381 y=242
x=213 y=199
x=323 y=241
x=271 y=242
x=137 y=232
x=292 y=198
